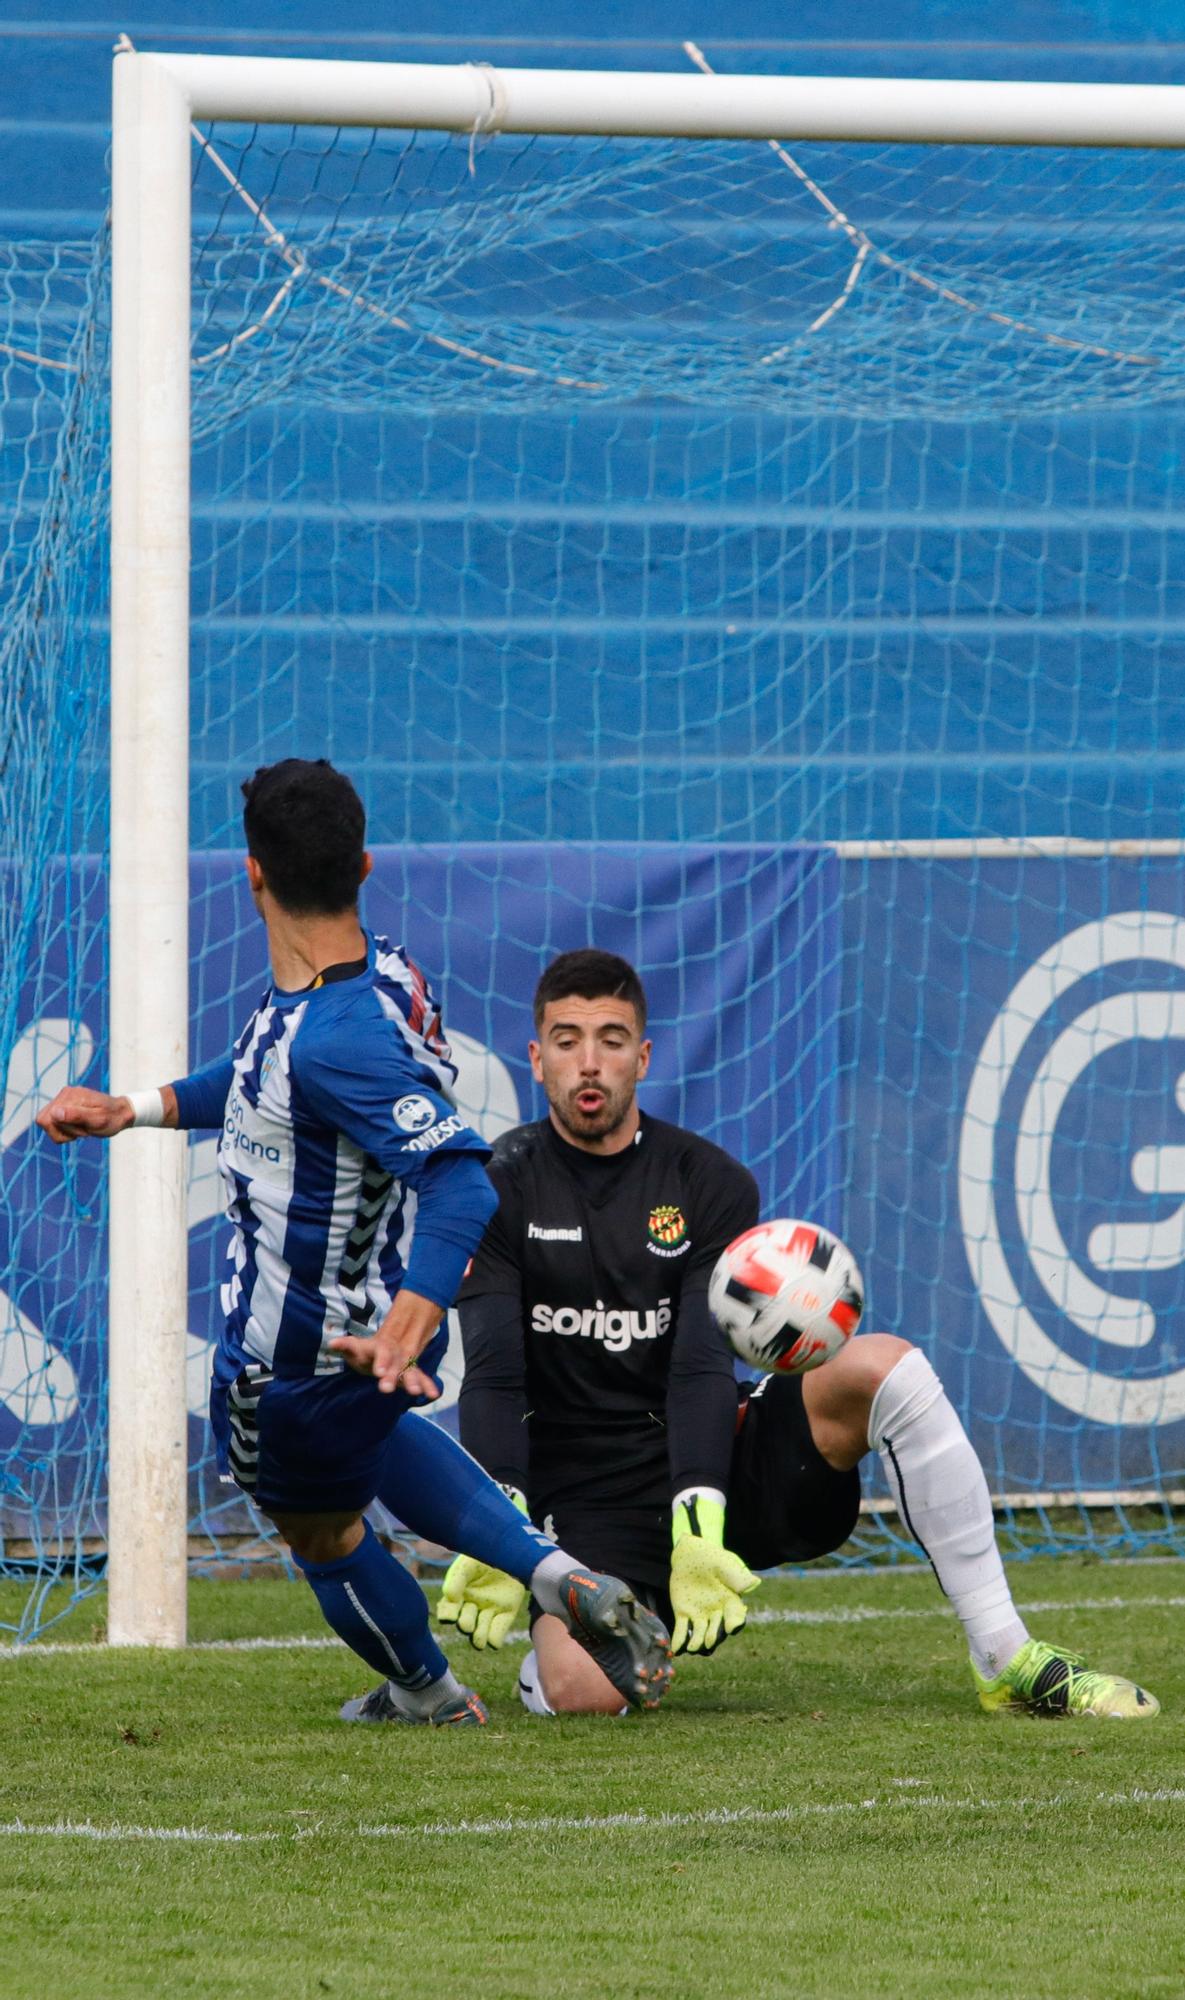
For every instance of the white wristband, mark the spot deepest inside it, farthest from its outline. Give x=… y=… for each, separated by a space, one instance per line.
x=690 y=1493
x=148 y=1107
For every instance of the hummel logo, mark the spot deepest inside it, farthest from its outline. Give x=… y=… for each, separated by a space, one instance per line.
x=554 y=1235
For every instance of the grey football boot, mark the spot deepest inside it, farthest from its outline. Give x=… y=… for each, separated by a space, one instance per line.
x=461 y=1709
x=630 y=1644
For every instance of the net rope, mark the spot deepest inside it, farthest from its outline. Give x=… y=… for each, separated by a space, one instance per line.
x=636 y=521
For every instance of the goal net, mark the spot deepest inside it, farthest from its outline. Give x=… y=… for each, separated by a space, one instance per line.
x=759 y=558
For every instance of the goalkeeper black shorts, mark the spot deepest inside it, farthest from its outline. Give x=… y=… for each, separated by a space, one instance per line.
x=785 y=1503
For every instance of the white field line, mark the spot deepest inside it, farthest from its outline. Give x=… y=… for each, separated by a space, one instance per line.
x=861 y=1614
x=601 y=1823
x=627 y=1822
x=73 y=1829
x=36 y=1650
x=852 y=1614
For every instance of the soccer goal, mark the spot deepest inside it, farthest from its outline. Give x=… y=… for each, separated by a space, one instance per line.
x=733 y=519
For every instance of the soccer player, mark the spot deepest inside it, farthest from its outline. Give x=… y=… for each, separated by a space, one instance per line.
x=357 y=1194
x=598 y=1388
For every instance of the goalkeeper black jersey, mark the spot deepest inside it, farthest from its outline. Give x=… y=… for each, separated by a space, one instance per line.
x=593 y=1368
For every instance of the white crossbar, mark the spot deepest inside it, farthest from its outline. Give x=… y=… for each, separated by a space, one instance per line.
x=478 y=97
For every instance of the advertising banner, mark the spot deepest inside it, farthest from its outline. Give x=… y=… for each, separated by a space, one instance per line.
x=1014 y=1065
x=974 y=1069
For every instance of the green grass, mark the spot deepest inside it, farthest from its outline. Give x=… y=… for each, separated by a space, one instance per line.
x=891 y=1840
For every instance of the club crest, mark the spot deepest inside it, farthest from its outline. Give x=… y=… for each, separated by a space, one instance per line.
x=667 y=1227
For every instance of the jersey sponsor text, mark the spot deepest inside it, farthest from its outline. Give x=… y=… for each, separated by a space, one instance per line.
x=427 y=1142
x=239 y=1139
x=613 y=1325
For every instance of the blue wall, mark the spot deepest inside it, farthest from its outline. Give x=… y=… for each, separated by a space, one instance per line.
x=683 y=622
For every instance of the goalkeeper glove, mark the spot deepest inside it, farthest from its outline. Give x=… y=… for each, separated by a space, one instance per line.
x=707 y=1580
x=481 y=1602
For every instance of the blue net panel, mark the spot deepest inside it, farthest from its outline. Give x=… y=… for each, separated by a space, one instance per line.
x=705 y=550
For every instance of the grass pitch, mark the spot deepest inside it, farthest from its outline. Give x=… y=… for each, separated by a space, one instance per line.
x=819 y=1810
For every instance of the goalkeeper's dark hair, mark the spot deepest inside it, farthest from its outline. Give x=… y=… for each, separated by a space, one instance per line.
x=306 y=827
x=591 y=975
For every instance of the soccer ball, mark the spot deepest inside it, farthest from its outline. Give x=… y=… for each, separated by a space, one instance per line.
x=787 y=1295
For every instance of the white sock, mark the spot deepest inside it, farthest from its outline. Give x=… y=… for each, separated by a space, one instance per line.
x=425 y=1700
x=547 y=1579
x=942 y=1498
x=530 y=1686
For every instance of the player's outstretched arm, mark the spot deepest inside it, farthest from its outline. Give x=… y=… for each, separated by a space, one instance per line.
x=78 y=1113
x=482 y=1602
x=708 y=1582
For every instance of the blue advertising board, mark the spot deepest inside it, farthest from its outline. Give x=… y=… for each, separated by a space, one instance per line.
x=1014 y=1083
x=974 y=1069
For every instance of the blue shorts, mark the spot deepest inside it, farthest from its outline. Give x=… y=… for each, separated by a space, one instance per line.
x=309 y=1444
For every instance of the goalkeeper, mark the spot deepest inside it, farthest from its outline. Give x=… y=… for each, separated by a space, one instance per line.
x=600 y=1394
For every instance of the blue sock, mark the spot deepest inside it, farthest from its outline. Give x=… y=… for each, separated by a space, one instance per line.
x=430 y=1483
x=379 y=1610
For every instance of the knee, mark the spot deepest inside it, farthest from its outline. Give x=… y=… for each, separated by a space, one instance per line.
x=839 y=1396
x=576 y=1686
x=867 y=1359
x=314 y=1540
x=849 y=1381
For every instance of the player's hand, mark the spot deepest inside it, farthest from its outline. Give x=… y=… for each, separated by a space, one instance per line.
x=481 y=1602
x=361 y=1351
x=78 y=1113
x=390 y=1354
x=708 y=1581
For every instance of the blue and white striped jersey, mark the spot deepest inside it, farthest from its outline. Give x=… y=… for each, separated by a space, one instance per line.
x=347 y=1170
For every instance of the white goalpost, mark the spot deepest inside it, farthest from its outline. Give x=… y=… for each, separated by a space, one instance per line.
x=156 y=99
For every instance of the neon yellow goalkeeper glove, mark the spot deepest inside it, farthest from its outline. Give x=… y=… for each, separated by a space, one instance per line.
x=707 y=1580
x=481 y=1602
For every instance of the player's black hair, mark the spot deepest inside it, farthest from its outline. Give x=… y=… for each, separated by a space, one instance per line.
x=591 y=975
x=306 y=827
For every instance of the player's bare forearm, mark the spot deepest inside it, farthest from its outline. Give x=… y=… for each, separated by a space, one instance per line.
x=78 y=1113
x=390 y=1354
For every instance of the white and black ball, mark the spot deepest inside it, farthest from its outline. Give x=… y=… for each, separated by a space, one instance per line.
x=788 y=1295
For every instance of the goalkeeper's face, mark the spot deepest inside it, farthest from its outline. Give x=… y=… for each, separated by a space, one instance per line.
x=590 y=1058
